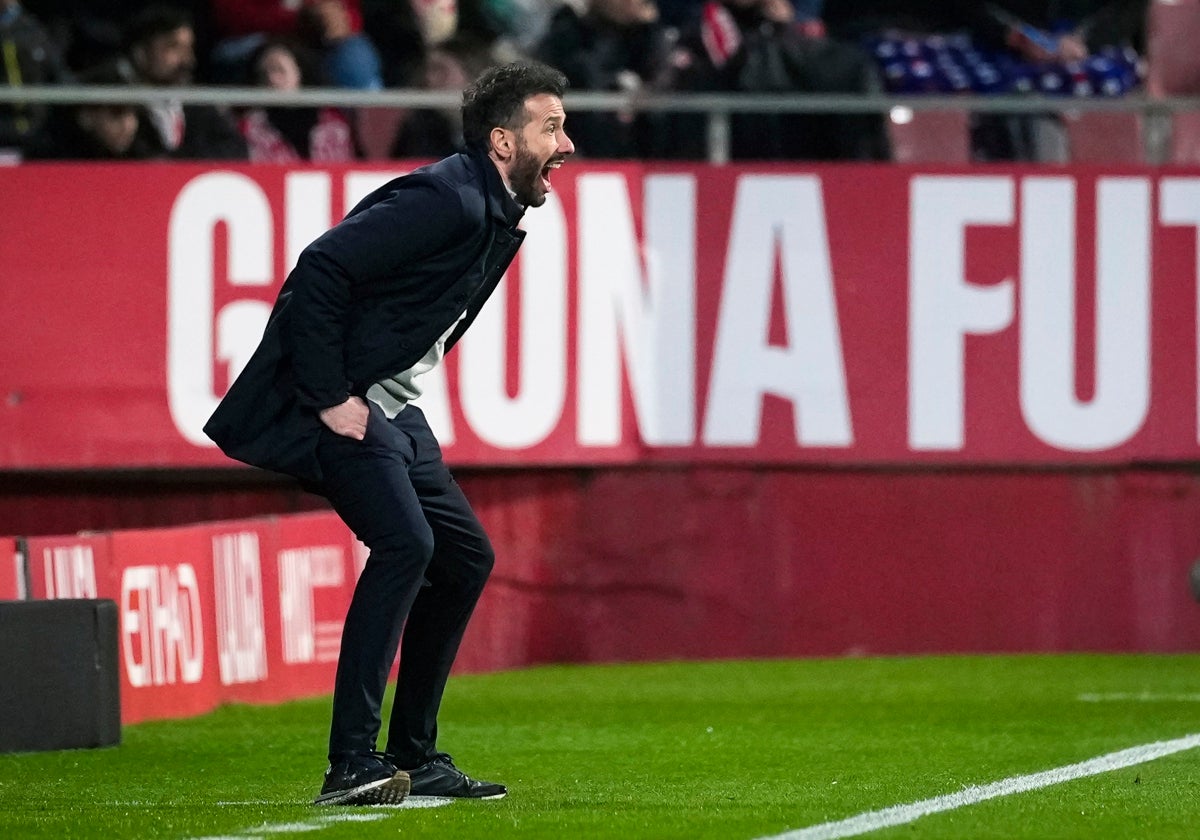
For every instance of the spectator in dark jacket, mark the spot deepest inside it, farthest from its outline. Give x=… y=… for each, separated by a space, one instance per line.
x=29 y=57
x=617 y=45
x=760 y=46
x=437 y=132
x=92 y=131
x=160 y=46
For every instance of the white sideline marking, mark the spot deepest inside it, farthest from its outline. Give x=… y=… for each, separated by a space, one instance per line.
x=369 y=813
x=1141 y=696
x=902 y=814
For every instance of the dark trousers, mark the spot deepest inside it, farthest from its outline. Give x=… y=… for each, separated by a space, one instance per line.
x=428 y=563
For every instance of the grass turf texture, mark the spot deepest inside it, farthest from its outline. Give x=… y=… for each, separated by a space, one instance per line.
x=687 y=750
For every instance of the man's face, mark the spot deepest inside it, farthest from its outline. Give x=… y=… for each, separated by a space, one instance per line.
x=169 y=58
x=541 y=147
x=113 y=126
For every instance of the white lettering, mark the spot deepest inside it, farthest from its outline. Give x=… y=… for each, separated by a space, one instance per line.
x=534 y=411
x=204 y=203
x=301 y=572
x=653 y=312
x=70 y=571
x=162 y=633
x=1048 y=319
x=307 y=212
x=778 y=220
x=943 y=305
x=241 y=635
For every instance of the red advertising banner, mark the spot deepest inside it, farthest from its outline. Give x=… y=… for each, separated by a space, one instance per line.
x=238 y=611
x=315 y=572
x=167 y=641
x=77 y=566
x=755 y=314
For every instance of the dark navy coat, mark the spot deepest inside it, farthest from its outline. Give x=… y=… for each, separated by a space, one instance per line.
x=365 y=302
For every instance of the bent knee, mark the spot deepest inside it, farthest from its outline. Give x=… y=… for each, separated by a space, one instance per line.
x=416 y=545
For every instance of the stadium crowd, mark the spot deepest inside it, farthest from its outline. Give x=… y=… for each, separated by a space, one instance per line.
x=1066 y=47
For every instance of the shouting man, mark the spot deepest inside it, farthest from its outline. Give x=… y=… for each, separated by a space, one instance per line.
x=370 y=306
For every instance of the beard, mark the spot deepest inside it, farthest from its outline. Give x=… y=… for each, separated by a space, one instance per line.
x=525 y=178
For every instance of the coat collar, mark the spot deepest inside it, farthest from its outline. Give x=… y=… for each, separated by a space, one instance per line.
x=500 y=203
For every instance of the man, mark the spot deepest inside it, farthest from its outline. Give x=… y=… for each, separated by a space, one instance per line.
x=759 y=46
x=91 y=130
x=617 y=45
x=371 y=305
x=28 y=56
x=160 y=43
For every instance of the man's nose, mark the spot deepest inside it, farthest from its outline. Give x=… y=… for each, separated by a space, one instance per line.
x=565 y=146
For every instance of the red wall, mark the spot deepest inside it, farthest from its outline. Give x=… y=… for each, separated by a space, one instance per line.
x=655 y=563
x=660 y=562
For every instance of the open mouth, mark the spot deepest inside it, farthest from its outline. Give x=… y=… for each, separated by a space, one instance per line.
x=553 y=164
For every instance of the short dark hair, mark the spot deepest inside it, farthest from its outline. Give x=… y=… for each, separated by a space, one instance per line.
x=497 y=98
x=154 y=21
x=310 y=73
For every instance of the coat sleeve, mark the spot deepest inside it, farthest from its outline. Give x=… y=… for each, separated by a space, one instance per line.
x=422 y=217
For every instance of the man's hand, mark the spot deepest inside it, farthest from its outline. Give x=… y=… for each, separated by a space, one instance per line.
x=348 y=419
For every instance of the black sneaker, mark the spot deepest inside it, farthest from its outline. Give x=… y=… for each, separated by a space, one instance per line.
x=439 y=777
x=363 y=779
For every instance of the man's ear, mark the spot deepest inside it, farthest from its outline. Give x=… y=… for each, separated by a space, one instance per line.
x=502 y=143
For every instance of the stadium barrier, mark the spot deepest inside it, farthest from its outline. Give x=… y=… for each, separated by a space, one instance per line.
x=651 y=565
x=239 y=611
x=1156 y=119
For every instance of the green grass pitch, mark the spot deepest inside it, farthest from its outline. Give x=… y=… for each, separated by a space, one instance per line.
x=681 y=750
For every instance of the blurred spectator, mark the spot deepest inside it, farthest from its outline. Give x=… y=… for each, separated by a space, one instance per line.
x=28 y=56
x=91 y=34
x=348 y=57
x=234 y=18
x=92 y=131
x=407 y=31
x=288 y=135
x=160 y=46
x=523 y=23
x=760 y=46
x=436 y=133
x=331 y=27
x=615 y=45
x=395 y=28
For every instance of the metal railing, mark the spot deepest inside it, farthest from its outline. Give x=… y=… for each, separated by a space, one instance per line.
x=718 y=107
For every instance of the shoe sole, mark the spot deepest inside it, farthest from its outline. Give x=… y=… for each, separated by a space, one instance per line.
x=449 y=797
x=391 y=791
